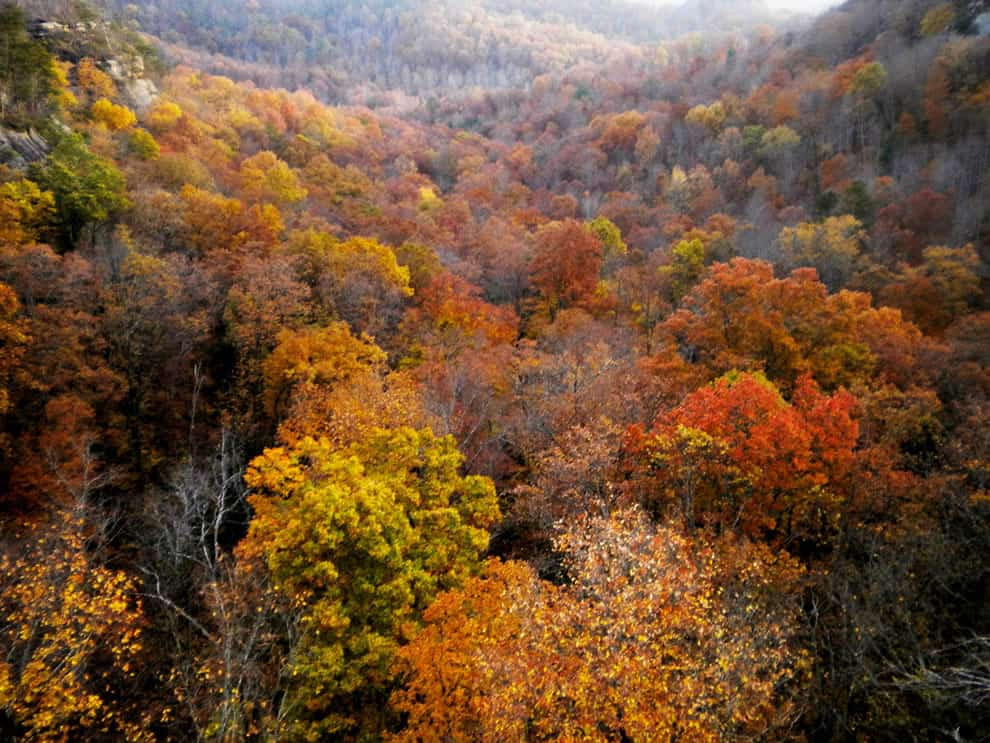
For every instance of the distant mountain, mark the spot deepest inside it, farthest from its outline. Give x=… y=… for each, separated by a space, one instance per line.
x=706 y=15
x=384 y=51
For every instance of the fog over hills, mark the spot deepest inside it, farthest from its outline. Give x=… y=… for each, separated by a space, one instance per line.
x=394 y=51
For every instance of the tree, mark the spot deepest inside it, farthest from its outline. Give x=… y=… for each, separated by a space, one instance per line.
x=566 y=264
x=736 y=453
x=164 y=116
x=619 y=131
x=869 y=81
x=654 y=636
x=154 y=322
x=314 y=356
x=939 y=291
x=113 y=116
x=938 y=20
x=87 y=188
x=212 y=221
x=25 y=211
x=422 y=262
x=450 y=316
x=612 y=243
x=449 y=669
x=93 y=80
x=856 y=200
x=28 y=77
x=264 y=299
x=687 y=265
x=71 y=636
x=357 y=280
x=936 y=99
x=779 y=141
x=707 y=117
x=830 y=247
x=13 y=343
x=143 y=144
x=62 y=465
x=265 y=177
x=225 y=624
x=741 y=317
x=360 y=541
x=578 y=475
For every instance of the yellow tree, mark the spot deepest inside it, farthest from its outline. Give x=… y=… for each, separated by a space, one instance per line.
x=314 y=356
x=707 y=117
x=831 y=247
x=359 y=542
x=111 y=115
x=354 y=408
x=25 y=211
x=940 y=290
x=164 y=116
x=357 y=280
x=938 y=20
x=93 y=80
x=70 y=633
x=264 y=177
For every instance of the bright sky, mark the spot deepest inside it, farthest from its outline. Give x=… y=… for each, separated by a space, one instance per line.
x=811 y=6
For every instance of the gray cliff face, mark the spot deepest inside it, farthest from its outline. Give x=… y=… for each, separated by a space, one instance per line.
x=142 y=93
x=128 y=73
x=20 y=149
x=73 y=41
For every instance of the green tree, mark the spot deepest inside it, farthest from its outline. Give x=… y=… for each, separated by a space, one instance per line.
x=144 y=145
x=856 y=200
x=870 y=80
x=610 y=235
x=265 y=177
x=687 y=265
x=88 y=188
x=779 y=140
x=359 y=542
x=27 y=71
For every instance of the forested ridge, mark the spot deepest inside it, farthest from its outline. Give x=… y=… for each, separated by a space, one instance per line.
x=494 y=371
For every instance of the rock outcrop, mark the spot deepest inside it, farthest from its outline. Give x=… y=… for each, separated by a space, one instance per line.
x=128 y=73
x=97 y=39
x=19 y=149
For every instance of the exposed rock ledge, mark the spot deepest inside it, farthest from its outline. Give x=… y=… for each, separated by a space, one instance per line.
x=18 y=149
x=142 y=92
x=128 y=73
x=126 y=69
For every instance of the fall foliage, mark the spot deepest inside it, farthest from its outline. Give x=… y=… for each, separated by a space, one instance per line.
x=494 y=371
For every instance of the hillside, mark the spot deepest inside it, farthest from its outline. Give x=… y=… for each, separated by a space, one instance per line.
x=491 y=371
x=403 y=53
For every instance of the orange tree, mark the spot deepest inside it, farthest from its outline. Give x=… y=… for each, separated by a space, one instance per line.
x=655 y=637
x=735 y=453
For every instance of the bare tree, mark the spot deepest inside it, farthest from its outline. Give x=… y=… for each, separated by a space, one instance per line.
x=220 y=617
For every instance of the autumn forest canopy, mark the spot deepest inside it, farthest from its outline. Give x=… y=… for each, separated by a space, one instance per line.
x=488 y=370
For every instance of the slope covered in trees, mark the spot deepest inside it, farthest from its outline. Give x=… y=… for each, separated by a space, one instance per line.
x=400 y=54
x=639 y=393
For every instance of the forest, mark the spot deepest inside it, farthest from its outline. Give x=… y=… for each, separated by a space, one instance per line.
x=480 y=370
